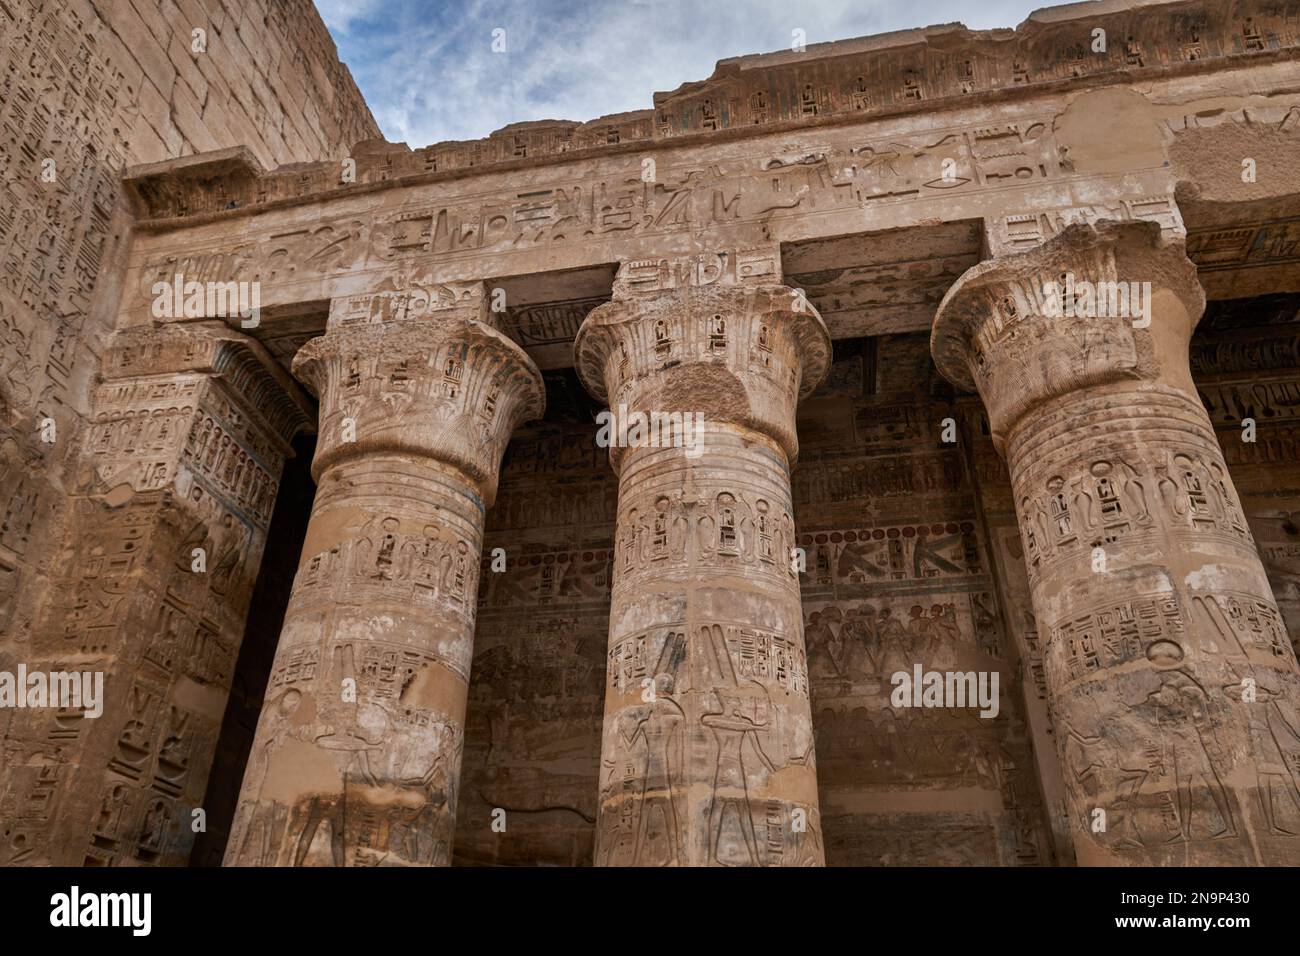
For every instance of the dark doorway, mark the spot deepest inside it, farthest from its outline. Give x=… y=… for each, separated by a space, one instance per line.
x=257 y=653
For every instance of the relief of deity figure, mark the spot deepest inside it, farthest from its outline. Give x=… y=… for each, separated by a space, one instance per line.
x=1110 y=780
x=936 y=635
x=1275 y=746
x=661 y=729
x=732 y=729
x=823 y=645
x=420 y=821
x=895 y=650
x=1180 y=709
x=859 y=640
x=230 y=558
x=623 y=769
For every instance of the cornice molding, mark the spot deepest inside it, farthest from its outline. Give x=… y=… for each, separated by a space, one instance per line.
x=825 y=84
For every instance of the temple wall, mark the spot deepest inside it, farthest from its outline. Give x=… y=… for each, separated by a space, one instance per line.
x=128 y=90
x=1247 y=364
x=874 y=175
x=87 y=89
x=912 y=788
x=890 y=523
x=900 y=572
x=537 y=688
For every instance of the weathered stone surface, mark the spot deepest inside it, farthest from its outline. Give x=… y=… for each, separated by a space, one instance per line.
x=182 y=461
x=708 y=743
x=500 y=650
x=97 y=523
x=365 y=711
x=1171 y=679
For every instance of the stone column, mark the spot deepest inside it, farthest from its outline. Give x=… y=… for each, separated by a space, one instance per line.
x=707 y=753
x=357 y=753
x=1172 y=686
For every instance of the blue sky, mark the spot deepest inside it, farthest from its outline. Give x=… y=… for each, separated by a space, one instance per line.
x=429 y=73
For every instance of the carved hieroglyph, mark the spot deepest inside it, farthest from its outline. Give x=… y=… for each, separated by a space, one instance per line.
x=1171 y=681
x=357 y=754
x=707 y=754
x=181 y=464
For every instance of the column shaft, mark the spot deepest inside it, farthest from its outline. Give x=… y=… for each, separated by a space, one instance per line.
x=357 y=753
x=707 y=755
x=1172 y=686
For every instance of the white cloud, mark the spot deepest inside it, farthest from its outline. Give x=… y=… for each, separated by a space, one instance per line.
x=340 y=14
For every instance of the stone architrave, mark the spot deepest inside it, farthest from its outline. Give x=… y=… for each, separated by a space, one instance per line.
x=1171 y=682
x=357 y=753
x=707 y=752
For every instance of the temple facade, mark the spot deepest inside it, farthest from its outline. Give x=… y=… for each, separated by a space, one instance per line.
x=641 y=491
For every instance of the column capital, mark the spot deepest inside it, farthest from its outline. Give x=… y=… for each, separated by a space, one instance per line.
x=407 y=373
x=1099 y=303
x=742 y=348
